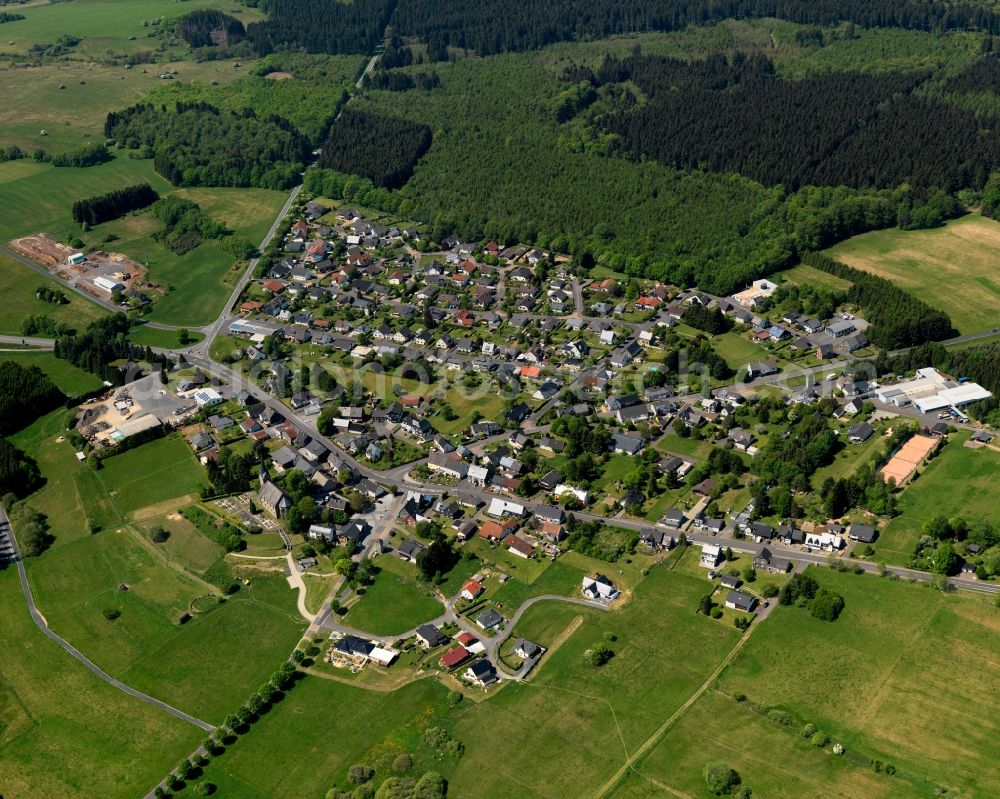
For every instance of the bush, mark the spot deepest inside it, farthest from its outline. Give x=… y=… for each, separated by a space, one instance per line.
x=598 y=655
x=359 y=774
x=780 y=717
x=809 y=731
x=820 y=739
x=716 y=613
x=826 y=605
x=403 y=762
x=111 y=613
x=720 y=778
x=769 y=590
x=204 y=789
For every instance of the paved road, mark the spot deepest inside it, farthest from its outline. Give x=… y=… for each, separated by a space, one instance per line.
x=72 y=650
x=37 y=343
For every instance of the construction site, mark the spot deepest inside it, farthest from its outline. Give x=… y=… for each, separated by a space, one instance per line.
x=98 y=273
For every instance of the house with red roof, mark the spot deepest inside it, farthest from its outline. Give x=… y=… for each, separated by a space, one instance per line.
x=455 y=657
x=472 y=589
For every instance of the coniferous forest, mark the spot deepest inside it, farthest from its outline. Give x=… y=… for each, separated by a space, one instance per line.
x=382 y=149
x=842 y=128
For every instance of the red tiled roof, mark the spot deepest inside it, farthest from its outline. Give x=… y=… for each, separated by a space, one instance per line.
x=453 y=657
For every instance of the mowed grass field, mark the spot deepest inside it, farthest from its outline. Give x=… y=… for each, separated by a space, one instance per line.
x=906 y=675
x=18 y=285
x=71 y=380
x=63 y=731
x=396 y=602
x=953 y=267
x=39 y=198
x=150 y=474
x=959 y=481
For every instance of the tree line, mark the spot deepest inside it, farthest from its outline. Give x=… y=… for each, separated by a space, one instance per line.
x=104 y=207
x=196 y=144
x=898 y=319
x=381 y=148
x=103 y=342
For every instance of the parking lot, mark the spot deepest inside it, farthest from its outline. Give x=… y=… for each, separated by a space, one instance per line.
x=7 y=552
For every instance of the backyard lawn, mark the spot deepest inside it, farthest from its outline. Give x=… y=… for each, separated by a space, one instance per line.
x=396 y=602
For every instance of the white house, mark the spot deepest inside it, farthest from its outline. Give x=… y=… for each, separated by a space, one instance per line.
x=502 y=507
x=600 y=588
x=207 y=397
x=711 y=555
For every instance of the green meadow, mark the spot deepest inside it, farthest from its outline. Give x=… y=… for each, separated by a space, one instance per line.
x=65 y=732
x=18 y=285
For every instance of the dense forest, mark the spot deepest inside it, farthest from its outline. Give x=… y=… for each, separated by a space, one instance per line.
x=25 y=394
x=898 y=319
x=319 y=26
x=486 y=26
x=843 y=128
x=103 y=207
x=381 y=148
x=198 y=145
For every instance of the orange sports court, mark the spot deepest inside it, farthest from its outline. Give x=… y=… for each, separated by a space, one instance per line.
x=904 y=463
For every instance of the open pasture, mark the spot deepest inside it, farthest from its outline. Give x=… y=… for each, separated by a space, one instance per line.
x=952 y=267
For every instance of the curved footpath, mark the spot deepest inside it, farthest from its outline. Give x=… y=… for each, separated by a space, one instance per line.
x=72 y=650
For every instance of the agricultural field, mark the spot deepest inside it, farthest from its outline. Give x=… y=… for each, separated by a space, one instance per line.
x=952 y=267
x=880 y=680
x=321 y=728
x=958 y=481
x=103 y=26
x=39 y=198
x=69 y=100
x=54 y=711
x=18 y=285
x=396 y=602
x=585 y=718
x=205 y=665
x=160 y=470
x=71 y=380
